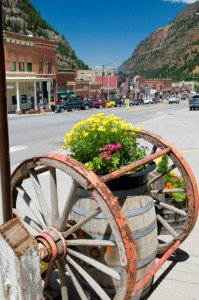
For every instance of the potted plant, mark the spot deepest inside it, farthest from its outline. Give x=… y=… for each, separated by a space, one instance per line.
x=104 y=143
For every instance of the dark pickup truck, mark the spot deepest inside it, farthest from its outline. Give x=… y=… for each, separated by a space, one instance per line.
x=73 y=103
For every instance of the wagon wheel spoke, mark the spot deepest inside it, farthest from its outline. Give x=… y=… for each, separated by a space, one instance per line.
x=68 y=205
x=167 y=226
x=103 y=268
x=96 y=287
x=82 y=222
x=54 y=197
x=47 y=278
x=40 y=196
x=174 y=209
x=73 y=274
x=35 y=211
x=161 y=175
x=54 y=182
x=154 y=149
x=28 y=220
x=90 y=243
x=62 y=278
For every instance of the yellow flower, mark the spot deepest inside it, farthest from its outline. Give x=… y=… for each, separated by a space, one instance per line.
x=101 y=128
x=84 y=133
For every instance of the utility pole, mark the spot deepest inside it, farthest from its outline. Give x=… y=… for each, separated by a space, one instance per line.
x=5 y=186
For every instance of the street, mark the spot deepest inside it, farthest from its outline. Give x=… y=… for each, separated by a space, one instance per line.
x=31 y=135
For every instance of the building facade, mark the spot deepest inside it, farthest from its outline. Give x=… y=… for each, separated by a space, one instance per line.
x=30 y=71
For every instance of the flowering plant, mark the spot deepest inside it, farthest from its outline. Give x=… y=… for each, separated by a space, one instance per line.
x=104 y=143
x=172 y=180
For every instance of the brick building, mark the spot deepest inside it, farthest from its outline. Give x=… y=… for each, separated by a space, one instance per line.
x=66 y=80
x=30 y=70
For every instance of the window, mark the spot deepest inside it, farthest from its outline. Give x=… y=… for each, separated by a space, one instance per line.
x=41 y=66
x=21 y=66
x=12 y=66
x=50 y=66
x=29 y=67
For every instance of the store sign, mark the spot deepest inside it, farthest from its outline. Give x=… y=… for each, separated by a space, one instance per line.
x=10 y=87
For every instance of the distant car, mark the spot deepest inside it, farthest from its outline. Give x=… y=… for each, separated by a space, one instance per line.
x=155 y=100
x=147 y=101
x=194 y=102
x=72 y=104
x=98 y=103
x=118 y=102
x=174 y=99
x=135 y=102
x=110 y=103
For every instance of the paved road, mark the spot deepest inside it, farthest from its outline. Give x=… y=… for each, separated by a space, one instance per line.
x=34 y=134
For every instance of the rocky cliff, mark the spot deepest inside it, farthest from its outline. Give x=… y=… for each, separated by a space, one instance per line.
x=171 y=51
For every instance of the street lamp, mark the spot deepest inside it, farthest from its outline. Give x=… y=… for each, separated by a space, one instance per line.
x=103 y=68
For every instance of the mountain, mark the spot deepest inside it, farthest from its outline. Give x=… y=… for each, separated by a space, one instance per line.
x=20 y=16
x=171 y=52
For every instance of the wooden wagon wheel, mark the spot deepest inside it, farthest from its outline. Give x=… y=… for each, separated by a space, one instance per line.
x=38 y=185
x=157 y=148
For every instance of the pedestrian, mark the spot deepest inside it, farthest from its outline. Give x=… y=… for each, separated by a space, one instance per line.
x=41 y=105
x=127 y=100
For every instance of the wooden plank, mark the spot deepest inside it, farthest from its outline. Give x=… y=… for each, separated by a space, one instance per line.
x=20 y=263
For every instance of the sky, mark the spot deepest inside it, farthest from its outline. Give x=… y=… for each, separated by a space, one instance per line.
x=106 y=32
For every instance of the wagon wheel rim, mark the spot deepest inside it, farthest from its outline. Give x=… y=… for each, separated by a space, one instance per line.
x=45 y=216
x=159 y=148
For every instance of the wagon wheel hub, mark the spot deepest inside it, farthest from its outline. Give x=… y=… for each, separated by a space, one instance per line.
x=53 y=244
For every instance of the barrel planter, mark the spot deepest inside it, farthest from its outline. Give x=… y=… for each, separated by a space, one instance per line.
x=134 y=198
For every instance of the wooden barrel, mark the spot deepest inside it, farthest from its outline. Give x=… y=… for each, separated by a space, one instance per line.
x=140 y=213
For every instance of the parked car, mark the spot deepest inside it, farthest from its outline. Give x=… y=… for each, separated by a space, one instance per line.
x=194 y=102
x=119 y=102
x=135 y=102
x=110 y=103
x=174 y=99
x=147 y=100
x=73 y=103
x=98 y=103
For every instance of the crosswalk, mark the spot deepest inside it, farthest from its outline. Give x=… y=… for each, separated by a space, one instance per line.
x=17 y=148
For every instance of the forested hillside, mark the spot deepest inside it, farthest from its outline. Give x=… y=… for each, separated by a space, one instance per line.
x=172 y=51
x=22 y=17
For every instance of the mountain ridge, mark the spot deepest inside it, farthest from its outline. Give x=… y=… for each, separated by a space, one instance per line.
x=20 y=16
x=171 y=52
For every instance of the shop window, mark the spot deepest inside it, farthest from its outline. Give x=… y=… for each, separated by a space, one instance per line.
x=41 y=66
x=50 y=66
x=29 y=67
x=13 y=66
x=21 y=66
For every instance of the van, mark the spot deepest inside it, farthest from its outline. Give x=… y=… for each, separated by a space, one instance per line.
x=194 y=102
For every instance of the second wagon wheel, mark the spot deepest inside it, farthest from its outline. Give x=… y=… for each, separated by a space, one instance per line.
x=157 y=148
x=177 y=163
x=44 y=191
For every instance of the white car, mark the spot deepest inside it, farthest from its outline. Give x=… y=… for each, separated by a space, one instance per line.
x=174 y=99
x=147 y=101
